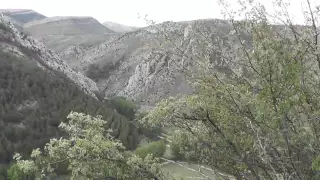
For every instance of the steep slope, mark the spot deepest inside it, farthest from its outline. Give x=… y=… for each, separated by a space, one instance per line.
x=17 y=24
x=141 y=65
x=59 y=33
x=25 y=46
x=22 y=15
x=37 y=91
x=116 y=27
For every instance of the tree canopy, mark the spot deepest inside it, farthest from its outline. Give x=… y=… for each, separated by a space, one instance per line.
x=33 y=102
x=259 y=119
x=89 y=152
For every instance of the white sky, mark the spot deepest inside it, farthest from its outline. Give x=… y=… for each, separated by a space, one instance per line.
x=126 y=11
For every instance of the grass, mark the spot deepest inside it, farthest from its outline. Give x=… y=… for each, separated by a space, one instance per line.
x=178 y=172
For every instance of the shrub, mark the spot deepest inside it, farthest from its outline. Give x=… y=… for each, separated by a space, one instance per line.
x=156 y=148
x=175 y=152
x=84 y=153
x=15 y=173
x=124 y=107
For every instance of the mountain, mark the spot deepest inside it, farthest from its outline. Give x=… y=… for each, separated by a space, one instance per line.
x=37 y=92
x=66 y=26
x=17 y=24
x=133 y=64
x=23 y=45
x=59 y=33
x=116 y=27
x=22 y=15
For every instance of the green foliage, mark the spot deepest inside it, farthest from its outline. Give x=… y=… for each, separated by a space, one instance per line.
x=259 y=121
x=102 y=71
x=89 y=153
x=176 y=149
x=150 y=132
x=156 y=148
x=316 y=163
x=14 y=173
x=124 y=106
x=33 y=102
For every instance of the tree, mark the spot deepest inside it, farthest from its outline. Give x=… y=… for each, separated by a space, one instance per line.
x=34 y=101
x=124 y=106
x=254 y=113
x=156 y=148
x=88 y=153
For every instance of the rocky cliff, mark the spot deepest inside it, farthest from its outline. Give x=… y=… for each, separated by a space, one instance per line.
x=145 y=65
x=19 y=44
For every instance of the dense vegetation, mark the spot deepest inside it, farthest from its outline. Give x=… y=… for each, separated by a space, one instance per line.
x=103 y=70
x=124 y=107
x=89 y=152
x=262 y=120
x=156 y=148
x=33 y=102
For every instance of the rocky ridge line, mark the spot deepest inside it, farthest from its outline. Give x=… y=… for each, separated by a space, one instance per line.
x=16 y=42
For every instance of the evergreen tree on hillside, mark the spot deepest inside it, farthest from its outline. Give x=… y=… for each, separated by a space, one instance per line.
x=33 y=102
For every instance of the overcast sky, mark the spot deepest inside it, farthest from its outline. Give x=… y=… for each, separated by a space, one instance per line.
x=126 y=11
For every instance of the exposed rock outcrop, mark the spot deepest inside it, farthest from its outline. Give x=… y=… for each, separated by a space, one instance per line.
x=142 y=65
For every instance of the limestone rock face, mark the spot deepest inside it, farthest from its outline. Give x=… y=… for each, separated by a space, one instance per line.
x=140 y=65
x=11 y=40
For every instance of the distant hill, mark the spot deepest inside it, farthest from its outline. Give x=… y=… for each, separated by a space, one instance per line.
x=66 y=26
x=59 y=33
x=119 y=27
x=22 y=15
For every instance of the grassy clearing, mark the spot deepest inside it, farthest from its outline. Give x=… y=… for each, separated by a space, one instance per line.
x=179 y=172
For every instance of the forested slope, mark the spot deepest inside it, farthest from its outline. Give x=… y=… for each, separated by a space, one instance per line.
x=33 y=102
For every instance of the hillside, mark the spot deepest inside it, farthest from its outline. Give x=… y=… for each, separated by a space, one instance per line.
x=59 y=33
x=207 y=98
x=66 y=26
x=38 y=91
x=140 y=64
x=25 y=46
x=116 y=27
x=22 y=15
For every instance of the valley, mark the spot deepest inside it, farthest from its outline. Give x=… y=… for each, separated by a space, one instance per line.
x=197 y=99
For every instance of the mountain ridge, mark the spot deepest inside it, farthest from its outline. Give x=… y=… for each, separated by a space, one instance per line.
x=22 y=15
x=37 y=92
x=119 y=27
x=132 y=64
x=15 y=41
x=87 y=25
